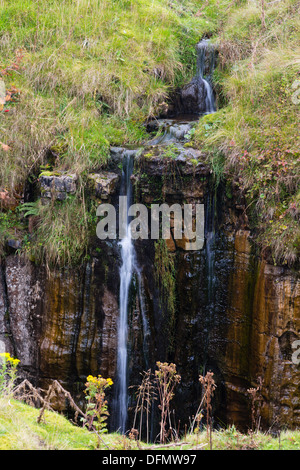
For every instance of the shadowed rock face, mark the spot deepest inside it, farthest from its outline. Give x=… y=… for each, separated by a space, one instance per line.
x=235 y=314
x=57 y=185
x=197 y=97
x=192 y=97
x=60 y=324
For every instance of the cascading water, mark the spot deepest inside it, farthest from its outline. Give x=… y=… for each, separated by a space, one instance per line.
x=169 y=131
x=210 y=236
x=197 y=97
x=143 y=308
x=126 y=271
x=206 y=51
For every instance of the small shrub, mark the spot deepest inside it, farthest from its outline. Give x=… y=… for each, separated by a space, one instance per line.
x=8 y=373
x=167 y=378
x=209 y=386
x=97 y=412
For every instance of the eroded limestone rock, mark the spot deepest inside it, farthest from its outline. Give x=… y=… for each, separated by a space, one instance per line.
x=103 y=185
x=57 y=185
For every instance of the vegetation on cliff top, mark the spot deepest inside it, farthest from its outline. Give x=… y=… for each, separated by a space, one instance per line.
x=77 y=77
x=253 y=139
x=86 y=74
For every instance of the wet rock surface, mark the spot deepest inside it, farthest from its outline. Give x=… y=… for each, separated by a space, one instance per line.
x=103 y=185
x=57 y=185
x=235 y=314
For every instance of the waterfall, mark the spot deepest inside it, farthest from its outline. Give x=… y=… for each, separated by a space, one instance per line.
x=126 y=271
x=210 y=252
x=210 y=248
x=171 y=131
x=206 y=52
x=197 y=97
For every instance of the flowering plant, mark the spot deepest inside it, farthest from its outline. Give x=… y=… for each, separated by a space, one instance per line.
x=8 y=372
x=97 y=410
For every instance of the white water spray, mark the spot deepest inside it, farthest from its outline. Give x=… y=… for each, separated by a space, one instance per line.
x=206 y=50
x=126 y=271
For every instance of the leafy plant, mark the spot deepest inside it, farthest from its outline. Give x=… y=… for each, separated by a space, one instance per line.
x=30 y=208
x=97 y=410
x=8 y=373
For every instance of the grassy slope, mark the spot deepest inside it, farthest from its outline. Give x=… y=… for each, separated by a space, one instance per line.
x=20 y=431
x=254 y=138
x=88 y=73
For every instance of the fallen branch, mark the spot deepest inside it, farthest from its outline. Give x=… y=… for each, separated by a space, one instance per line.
x=21 y=393
x=56 y=388
x=199 y=446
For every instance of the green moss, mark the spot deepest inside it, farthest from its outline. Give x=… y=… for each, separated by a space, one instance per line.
x=50 y=173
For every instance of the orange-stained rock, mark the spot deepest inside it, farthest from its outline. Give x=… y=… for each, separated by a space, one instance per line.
x=170 y=244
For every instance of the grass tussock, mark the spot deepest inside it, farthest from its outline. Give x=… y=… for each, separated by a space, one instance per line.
x=19 y=430
x=81 y=76
x=253 y=138
x=53 y=240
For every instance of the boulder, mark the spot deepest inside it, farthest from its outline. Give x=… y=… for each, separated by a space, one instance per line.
x=193 y=97
x=104 y=184
x=8 y=201
x=57 y=185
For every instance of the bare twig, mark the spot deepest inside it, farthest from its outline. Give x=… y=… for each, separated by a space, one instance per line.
x=167 y=378
x=25 y=391
x=55 y=389
x=209 y=386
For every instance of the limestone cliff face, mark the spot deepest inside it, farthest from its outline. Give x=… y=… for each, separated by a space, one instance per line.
x=263 y=321
x=234 y=314
x=61 y=324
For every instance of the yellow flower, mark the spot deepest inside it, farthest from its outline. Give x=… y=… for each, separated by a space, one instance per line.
x=13 y=361
x=7 y=355
x=10 y=359
x=100 y=382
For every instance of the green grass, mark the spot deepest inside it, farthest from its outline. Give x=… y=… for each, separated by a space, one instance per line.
x=19 y=430
x=87 y=74
x=90 y=72
x=253 y=138
x=231 y=439
x=53 y=240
